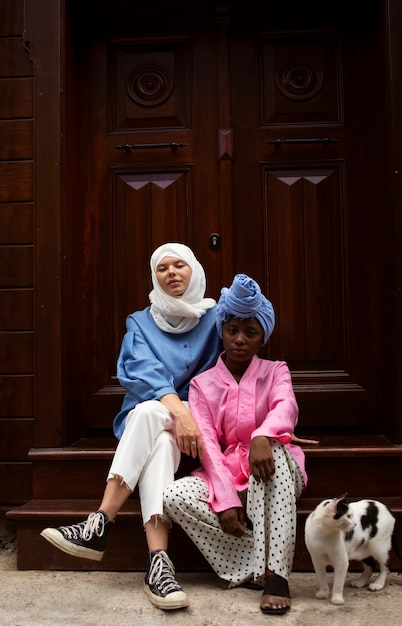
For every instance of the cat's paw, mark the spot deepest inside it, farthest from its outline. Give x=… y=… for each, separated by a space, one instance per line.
x=337 y=600
x=322 y=594
x=375 y=586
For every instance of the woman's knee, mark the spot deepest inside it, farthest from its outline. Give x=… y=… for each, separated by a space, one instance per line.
x=187 y=492
x=148 y=408
x=172 y=495
x=149 y=418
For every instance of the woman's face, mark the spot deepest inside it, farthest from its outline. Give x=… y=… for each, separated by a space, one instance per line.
x=242 y=339
x=173 y=276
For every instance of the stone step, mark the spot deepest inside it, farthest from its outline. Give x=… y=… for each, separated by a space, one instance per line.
x=126 y=548
x=353 y=464
x=68 y=484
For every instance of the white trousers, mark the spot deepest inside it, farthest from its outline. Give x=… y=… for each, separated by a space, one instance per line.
x=147 y=454
x=271 y=509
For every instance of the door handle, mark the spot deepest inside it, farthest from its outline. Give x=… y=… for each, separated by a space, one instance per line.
x=325 y=141
x=135 y=146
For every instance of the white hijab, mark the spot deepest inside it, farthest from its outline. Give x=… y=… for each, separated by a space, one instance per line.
x=181 y=314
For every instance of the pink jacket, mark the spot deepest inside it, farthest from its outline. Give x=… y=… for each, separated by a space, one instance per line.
x=231 y=414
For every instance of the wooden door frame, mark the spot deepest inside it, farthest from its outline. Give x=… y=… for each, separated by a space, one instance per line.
x=45 y=41
x=394 y=17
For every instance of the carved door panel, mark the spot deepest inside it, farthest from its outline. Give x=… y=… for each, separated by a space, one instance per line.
x=215 y=124
x=293 y=158
x=300 y=199
x=142 y=111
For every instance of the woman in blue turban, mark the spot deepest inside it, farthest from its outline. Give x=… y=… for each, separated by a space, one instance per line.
x=244 y=300
x=239 y=507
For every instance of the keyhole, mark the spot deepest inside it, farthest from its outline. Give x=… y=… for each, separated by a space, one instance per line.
x=215 y=241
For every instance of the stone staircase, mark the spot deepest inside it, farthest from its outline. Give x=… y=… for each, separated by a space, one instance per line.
x=68 y=484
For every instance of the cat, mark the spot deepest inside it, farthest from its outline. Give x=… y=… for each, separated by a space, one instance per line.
x=337 y=532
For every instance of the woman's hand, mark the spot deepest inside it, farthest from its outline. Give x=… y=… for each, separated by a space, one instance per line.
x=233 y=521
x=188 y=434
x=296 y=439
x=261 y=460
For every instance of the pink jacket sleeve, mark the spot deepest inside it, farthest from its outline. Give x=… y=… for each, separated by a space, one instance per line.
x=222 y=492
x=282 y=413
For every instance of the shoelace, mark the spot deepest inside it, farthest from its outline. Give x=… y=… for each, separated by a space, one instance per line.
x=85 y=530
x=161 y=574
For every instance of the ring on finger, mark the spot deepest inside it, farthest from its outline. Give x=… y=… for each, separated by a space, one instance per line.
x=193 y=443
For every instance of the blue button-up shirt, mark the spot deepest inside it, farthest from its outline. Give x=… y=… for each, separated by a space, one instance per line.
x=153 y=363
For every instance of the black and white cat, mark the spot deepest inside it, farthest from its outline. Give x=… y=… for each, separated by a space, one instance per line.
x=337 y=532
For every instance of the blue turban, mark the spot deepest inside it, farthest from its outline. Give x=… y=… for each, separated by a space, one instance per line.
x=244 y=300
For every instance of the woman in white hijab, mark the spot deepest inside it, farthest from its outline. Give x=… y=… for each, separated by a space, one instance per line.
x=165 y=345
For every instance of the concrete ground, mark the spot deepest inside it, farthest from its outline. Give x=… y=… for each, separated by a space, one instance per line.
x=40 y=598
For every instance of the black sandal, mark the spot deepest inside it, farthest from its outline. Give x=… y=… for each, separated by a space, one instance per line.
x=275 y=586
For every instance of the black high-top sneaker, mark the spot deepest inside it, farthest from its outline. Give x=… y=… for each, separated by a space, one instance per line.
x=161 y=586
x=86 y=539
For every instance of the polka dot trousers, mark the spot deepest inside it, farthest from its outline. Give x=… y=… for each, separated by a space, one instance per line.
x=270 y=507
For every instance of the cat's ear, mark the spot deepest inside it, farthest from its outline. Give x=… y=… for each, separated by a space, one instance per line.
x=341 y=506
x=342 y=497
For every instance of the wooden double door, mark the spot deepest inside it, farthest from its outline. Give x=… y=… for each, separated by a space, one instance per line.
x=253 y=132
